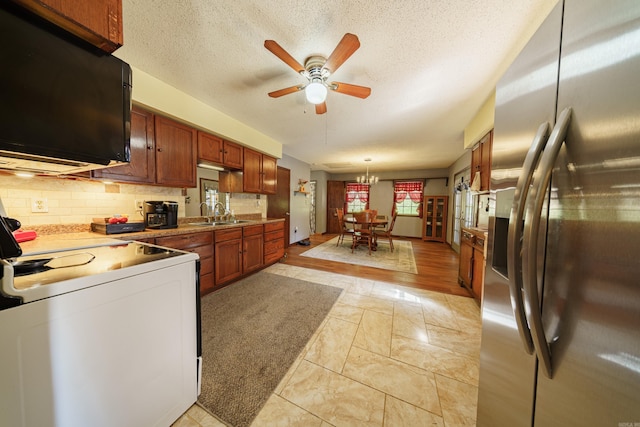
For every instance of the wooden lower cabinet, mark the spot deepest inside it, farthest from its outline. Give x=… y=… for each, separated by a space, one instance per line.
x=200 y=243
x=465 y=270
x=472 y=262
x=252 y=248
x=228 y=259
x=231 y=253
x=273 y=242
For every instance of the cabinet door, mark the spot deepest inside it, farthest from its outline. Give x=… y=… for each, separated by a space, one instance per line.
x=269 y=175
x=232 y=155
x=435 y=218
x=481 y=161
x=209 y=148
x=142 y=165
x=252 y=252
x=465 y=270
x=252 y=171
x=477 y=278
x=440 y=219
x=228 y=260
x=485 y=166
x=97 y=21
x=176 y=153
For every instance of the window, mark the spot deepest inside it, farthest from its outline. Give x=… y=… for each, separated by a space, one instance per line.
x=357 y=197
x=407 y=198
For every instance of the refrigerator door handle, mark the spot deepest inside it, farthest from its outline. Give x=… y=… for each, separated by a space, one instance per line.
x=514 y=236
x=530 y=241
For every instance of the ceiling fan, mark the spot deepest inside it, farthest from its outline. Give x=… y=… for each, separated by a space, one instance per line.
x=317 y=70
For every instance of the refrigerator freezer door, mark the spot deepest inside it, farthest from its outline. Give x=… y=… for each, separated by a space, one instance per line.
x=591 y=302
x=525 y=99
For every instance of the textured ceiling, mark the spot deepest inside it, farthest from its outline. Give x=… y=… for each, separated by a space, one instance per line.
x=430 y=65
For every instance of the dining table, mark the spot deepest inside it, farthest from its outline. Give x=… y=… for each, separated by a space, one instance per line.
x=377 y=221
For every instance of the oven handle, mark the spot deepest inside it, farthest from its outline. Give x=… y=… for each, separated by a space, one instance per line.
x=530 y=242
x=514 y=236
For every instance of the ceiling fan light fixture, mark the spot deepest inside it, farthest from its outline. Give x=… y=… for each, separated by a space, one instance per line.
x=316 y=92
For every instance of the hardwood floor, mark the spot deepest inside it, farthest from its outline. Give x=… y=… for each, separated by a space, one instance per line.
x=437 y=266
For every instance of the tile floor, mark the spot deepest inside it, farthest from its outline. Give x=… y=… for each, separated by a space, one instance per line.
x=386 y=355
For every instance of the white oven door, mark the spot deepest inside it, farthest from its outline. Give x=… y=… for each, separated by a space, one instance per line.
x=119 y=354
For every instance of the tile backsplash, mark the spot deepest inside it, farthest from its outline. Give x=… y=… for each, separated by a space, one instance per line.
x=69 y=201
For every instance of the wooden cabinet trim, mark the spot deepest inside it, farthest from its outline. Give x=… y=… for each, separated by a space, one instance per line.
x=98 y=22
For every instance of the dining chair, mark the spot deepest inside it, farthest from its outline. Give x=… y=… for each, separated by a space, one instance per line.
x=344 y=230
x=362 y=236
x=386 y=233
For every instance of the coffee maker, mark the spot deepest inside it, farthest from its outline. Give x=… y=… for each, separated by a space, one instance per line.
x=160 y=214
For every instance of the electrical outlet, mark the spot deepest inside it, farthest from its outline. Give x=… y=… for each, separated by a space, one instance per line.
x=138 y=204
x=40 y=205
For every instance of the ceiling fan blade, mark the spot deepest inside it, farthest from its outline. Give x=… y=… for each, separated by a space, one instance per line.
x=285 y=91
x=278 y=51
x=353 y=90
x=342 y=52
x=321 y=108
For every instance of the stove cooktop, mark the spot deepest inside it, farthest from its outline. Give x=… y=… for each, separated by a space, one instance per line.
x=25 y=276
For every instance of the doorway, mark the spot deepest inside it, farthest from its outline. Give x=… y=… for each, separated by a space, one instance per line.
x=278 y=205
x=464 y=207
x=335 y=199
x=312 y=208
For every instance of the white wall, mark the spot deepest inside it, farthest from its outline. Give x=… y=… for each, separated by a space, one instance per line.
x=299 y=203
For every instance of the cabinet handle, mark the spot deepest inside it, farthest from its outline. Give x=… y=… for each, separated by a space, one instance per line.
x=530 y=241
x=149 y=147
x=514 y=236
x=159 y=149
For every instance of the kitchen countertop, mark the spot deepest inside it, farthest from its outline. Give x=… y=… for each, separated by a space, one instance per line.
x=49 y=240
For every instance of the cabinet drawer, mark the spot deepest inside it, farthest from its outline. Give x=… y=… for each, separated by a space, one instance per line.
x=252 y=230
x=223 y=235
x=274 y=257
x=273 y=247
x=273 y=226
x=274 y=235
x=468 y=237
x=186 y=241
x=206 y=265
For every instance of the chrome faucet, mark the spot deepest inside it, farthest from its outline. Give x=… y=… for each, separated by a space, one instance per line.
x=208 y=211
x=217 y=208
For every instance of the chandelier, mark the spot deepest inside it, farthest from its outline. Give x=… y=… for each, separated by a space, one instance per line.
x=366 y=179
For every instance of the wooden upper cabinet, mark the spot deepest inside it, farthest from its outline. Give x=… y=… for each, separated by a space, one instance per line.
x=142 y=167
x=260 y=173
x=481 y=161
x=98 y=22
x=252 y=171
x=209 y=148
x=218 y=151
x=233 y=155
x=269 y=174
x=176 y=153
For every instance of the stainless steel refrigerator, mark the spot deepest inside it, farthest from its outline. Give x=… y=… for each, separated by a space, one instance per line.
x=561 y=307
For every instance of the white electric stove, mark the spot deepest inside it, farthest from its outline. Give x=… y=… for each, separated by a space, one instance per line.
x=102 y=335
